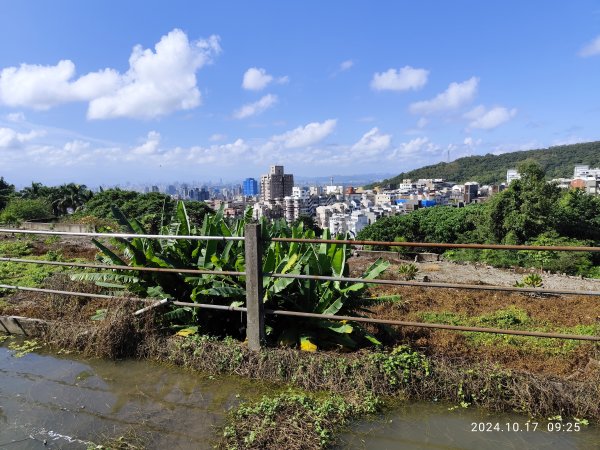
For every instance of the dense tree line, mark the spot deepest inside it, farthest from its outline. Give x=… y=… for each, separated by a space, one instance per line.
x=79 y=204
x=40 y=202
x=556 y=162
x=150 y=209
x=529 y=211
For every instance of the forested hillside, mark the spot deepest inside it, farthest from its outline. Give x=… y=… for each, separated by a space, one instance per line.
x=557 y=162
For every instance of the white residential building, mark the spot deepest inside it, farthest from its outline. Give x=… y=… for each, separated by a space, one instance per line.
x=315 y=190
x=582 y=172
x=332 y=190
x=512 y=174
x=385 y=198
x=300 y=192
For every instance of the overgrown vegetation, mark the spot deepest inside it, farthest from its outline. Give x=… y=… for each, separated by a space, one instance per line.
x=280 y=293
x=533 y=280
x=400 y=371
x=28 y=275
x=292 y=421
x=513 y=318
x=337 y=386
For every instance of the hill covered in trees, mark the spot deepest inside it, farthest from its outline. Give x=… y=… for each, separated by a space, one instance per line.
x=557 y=162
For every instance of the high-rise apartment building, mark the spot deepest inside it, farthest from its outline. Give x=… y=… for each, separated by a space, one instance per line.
x=250 y=187
x=276 y=184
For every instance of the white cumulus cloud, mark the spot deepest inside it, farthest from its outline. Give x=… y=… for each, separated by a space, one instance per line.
x=150 y=146
x=10 y=138
x=457 y=95
x=256 y=79
x=414 y=148
x=400 y=80
x=373 y=141
x=486 y=119
x=591 y=49
x=42 y=87
x=252 y=109
x=307 y=135
x=157 y=83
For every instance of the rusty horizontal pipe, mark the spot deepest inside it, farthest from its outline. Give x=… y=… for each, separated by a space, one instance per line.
x=320 y=316
x=126 y=235
x=440 y=326
x=443 y=245
x=78 y=294
x=317 y=241
x=436 y=325
x=108 y=267
x=479 y=287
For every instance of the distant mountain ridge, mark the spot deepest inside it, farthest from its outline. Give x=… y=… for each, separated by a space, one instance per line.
x=558 y=162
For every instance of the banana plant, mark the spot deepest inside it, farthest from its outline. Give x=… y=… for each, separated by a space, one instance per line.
x=321 y=297
x=313 y=296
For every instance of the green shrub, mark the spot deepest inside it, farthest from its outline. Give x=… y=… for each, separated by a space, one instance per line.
x=533 y=280
x=15 y=249
x=21 y=209
x=408 y=271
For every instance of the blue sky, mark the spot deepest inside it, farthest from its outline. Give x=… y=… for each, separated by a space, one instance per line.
x=108 y=92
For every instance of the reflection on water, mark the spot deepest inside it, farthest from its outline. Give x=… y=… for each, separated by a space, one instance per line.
x=433 y=426
x=67 y=402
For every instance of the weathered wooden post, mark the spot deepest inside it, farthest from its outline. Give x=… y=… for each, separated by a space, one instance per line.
x=255 y=318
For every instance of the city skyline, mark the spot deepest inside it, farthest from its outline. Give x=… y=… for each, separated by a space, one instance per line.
x=211 y=91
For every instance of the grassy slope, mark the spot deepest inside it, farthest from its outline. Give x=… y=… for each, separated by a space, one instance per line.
x=556 y=161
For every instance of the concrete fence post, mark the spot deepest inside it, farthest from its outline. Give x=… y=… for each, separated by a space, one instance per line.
x=255 y=325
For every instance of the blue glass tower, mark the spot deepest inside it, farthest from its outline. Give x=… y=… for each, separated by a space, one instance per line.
x=250 y=187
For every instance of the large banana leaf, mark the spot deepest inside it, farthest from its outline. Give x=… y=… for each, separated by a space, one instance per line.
x=109 y=253
x=326 y=259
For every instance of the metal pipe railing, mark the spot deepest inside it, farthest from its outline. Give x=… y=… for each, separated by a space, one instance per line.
x=76 y=294
x=443 y=245
x=254 y=285
x=479 y=287
x=126 y=235
x=133 y=268
x=440 y=326
x=317 y=241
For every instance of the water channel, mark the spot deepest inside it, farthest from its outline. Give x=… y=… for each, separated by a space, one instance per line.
x=63 y=401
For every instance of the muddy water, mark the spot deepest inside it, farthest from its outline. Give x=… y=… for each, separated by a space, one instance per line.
x=434 y=426
x=68 y=402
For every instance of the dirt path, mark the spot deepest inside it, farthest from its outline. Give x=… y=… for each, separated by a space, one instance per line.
x=468 y=273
